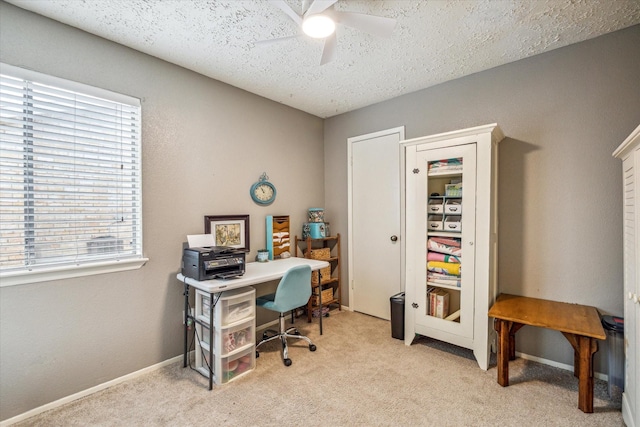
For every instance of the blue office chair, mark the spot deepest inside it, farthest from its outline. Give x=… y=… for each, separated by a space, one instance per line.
x=294 y=290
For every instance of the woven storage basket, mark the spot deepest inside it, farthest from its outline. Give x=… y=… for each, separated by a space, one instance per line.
x=324 y=253
x=326 y=275
x=327 y=295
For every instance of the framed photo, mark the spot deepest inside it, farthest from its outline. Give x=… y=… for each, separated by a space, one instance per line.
x=228 y=230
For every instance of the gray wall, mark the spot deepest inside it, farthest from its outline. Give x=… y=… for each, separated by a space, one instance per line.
x=204 y=144
x=560 y=191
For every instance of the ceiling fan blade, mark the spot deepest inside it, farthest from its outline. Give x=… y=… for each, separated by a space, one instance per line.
x=305 y=6
x=283 y=6
x=319 y=6
x=273 y=41
x=376 y=25
x=330 y=48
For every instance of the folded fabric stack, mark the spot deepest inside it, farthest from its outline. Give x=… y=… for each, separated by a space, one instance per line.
x=444 y=261
x=446 y=165
x=444 y=245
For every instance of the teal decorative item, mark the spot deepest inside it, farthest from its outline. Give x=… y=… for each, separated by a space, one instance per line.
x=316 y=230
x=263 y=192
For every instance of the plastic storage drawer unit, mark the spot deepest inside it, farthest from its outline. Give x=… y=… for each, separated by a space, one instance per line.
x=234 y=305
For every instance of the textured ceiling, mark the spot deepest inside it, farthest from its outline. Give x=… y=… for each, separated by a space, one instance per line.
x=434 y=41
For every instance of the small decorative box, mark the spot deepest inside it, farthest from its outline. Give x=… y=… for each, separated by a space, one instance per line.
x=315 y=230
x=316 y=215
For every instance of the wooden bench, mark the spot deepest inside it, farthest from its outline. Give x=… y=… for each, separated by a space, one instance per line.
x=580 y=324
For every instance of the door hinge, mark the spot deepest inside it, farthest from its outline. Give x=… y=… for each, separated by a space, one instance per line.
x=414 y=305
x=416 y=170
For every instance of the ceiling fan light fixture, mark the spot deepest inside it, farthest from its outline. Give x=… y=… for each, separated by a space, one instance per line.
x=318 y=26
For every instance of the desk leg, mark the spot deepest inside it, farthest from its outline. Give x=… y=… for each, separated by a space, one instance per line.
x=186 y=327
x=320 y=298
x=212 y=303
x=584 y=348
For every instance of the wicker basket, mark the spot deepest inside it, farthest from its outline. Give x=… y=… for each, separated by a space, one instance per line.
x=327 y=295
x=326 y=275
x=323 y=253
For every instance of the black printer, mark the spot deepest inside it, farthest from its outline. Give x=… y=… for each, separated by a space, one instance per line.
x=212 y=262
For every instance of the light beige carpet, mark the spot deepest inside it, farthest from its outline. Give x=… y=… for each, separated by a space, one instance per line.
x=359 y=376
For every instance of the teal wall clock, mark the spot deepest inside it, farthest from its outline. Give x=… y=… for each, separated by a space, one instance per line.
x=263 y=192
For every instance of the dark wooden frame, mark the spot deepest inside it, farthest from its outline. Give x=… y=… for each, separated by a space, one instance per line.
x=208 y=219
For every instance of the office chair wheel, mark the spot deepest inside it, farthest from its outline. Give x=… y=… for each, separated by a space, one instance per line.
x=287 y=362
x=312 y=347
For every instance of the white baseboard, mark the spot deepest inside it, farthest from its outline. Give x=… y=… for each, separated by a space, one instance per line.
x=87 y=392
x=564 y=366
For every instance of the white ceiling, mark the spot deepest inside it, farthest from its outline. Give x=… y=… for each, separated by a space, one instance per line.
x=434 y=41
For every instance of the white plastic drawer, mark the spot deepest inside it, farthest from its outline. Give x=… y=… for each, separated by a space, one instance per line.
x=452 y=223
x=238 y=364
x=235 y=307
x=204 y=304
x=231 y=339
x=205 y=360
x=453 y=206
x=435 y=206
x=434 y=222
x=232 y=306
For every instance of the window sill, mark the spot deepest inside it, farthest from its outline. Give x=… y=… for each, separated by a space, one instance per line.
x=67 y=272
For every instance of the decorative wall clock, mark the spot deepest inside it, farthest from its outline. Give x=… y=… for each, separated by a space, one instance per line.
x=263 y=192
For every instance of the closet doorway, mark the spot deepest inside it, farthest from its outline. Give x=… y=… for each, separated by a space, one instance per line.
x=374 y=221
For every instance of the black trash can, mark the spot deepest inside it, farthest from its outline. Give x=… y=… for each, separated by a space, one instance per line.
x=397 y=316
x=614 y=328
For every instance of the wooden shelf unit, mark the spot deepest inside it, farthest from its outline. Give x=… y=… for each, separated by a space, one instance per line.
x=303 y=249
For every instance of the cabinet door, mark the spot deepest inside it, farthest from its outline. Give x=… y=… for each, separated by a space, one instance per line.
x=444 y=243
x=631 y=397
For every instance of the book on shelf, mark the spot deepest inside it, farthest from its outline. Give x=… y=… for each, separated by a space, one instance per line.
x=438 y=302
x=430 y=304
x=442 y=304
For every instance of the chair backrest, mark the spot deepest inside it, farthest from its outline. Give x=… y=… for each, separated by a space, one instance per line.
x=294 y=289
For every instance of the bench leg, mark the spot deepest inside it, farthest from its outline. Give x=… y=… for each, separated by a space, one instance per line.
x=515 y=327
x=584 y=349
x=504 y=350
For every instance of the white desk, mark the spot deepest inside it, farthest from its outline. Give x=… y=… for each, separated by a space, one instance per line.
x=255 y=273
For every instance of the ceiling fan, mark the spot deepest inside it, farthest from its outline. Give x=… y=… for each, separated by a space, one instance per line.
x=318 y=20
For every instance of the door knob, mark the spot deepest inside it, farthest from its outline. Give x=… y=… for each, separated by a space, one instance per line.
x=394 y=238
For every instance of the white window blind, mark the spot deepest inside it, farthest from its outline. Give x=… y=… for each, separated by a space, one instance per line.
x=70 y=177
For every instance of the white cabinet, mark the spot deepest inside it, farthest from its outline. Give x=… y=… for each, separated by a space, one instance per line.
x=229 y=347
x=629 y=152
x=450 y=243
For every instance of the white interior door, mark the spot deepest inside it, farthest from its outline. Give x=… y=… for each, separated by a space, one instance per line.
x=374 y=221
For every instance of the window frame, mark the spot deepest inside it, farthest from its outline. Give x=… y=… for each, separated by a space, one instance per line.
x=67 y=270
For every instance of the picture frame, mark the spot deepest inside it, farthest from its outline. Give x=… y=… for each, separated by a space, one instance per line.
x=228 y=230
